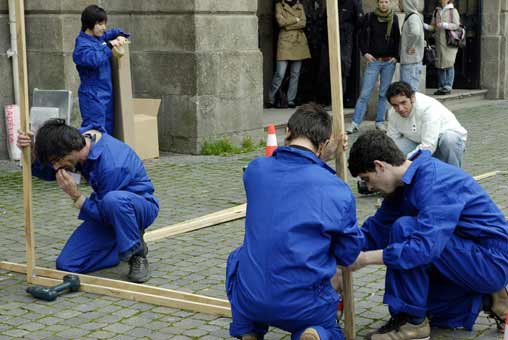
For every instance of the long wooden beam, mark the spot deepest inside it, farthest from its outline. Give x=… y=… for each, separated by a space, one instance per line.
x=332 y=14
x=25 y=122
x=128 y=290
x=205 y=221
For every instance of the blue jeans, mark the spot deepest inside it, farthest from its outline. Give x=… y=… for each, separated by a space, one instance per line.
x=411 y=74
x=450 y=147
x=445 y=77
x=385 y=69
x=279 y=76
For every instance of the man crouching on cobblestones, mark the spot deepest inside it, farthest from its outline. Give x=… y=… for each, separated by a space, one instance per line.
x=300 y=224
x=443 y=240
x=118 y=211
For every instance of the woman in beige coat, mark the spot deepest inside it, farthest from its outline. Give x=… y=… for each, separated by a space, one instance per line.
x=445 y=18
x=292 y=47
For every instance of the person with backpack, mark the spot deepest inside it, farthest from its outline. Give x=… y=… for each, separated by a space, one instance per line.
x=411 y=44
x=443 y=19
x=379 y=44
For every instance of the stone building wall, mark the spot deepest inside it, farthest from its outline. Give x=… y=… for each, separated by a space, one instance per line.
x=494 y=52
x=201 y=57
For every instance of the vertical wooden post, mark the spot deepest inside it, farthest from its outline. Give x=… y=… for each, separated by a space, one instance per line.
x=25 y=127
x=332 y=11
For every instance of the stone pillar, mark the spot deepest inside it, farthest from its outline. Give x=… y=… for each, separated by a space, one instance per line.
x=494 y=51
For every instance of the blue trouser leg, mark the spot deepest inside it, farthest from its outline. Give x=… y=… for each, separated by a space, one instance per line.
x=445 y=77
x=110 y=119
x=452 y=297
x=369 y=81
x=278 y=76
x=411 y=74
x=94 y=246
x=450 y=148
x=440 y=78
x=385 y=79
x=296 y=66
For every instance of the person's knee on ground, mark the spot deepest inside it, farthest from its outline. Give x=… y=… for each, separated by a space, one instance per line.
x=402 y=228
x=450 y=148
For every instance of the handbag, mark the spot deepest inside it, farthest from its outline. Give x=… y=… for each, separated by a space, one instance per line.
x=456 y=38
x=429 y=55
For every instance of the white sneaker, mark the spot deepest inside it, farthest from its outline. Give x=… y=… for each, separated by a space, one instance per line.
x=352 y=128
x=381 y=126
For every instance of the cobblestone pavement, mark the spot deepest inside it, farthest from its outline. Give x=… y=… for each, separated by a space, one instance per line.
x=188 y=187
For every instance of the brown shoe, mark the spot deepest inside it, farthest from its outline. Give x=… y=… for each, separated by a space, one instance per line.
x=499 y=309
x=399 y=328
x=249 y=337
x=310 y=334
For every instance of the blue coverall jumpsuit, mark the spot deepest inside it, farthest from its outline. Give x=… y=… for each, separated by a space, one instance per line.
x=115 y=215
x=445 y=244
x=93 y=61
x=300 y=223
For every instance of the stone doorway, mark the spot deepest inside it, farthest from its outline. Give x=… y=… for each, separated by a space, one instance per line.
x=314 y=82
x=468 y=62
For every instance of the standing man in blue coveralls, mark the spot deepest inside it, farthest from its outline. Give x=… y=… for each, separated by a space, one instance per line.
x=92 y=56
x=121 y=207
x=300 y=224
x=443 y=240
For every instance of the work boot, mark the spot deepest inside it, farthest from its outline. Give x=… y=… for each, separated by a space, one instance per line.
x=310 y=334
x=252 y=336
x=499 y=309
x=139 y=270
x=399 y=328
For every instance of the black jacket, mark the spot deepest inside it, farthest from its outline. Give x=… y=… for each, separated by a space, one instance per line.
x=373 y=40
x=350 y=15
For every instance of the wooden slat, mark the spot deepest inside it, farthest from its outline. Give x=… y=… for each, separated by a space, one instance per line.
x=142 y=297
x=332 y=11
x=130 y=291
x=205 y=221
x=25 y=120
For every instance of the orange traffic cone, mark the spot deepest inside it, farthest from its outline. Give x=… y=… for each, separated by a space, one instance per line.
x=271 y=141
x=505 y=336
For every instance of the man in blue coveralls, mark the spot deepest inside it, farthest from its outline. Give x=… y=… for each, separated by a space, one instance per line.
x=300 y=224
x=117 y=212
x=92 y=56
x=443 y=240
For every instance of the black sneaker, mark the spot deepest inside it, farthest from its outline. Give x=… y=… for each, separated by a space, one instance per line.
x=291 y=105
x=139 y=270
x=398 y=327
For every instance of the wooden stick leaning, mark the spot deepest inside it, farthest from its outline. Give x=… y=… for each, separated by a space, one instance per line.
x=209 y=220
x=25 y=120
x=332 y=12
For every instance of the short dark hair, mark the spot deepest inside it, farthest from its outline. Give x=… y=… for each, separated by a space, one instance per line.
x=399 y=88
x=370 y=146
x=312 y=122
x=92 y=15
x=55 y=140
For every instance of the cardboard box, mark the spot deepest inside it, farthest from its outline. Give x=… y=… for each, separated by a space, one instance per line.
x=135 y=119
